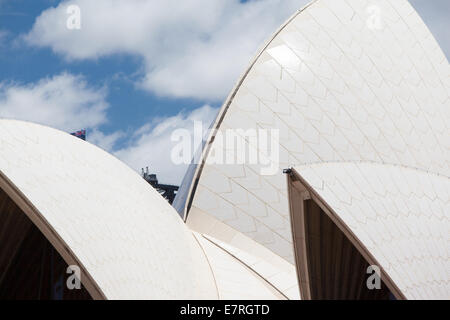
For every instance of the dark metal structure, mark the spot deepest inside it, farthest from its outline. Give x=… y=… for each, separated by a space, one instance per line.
x=167 y=191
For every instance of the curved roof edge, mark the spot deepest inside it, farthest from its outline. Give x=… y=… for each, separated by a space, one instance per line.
x=51 y=234
x=64 y=187
x=334 y=216
x=223 y=110
x=416 y=218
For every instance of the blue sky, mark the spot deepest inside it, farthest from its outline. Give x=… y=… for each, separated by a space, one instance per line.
x=130 y=106
x=137 y=70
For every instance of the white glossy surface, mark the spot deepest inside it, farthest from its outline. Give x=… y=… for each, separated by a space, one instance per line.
x=275 y=270
x=337 y=90
x=283 y=279
x=129 y=239
x=235 y=280
x=399 y=214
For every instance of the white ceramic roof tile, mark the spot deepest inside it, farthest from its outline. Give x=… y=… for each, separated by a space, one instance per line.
x=235 y=280
x=339 y=91
x=280 y=278
x=134 y=245
x=409 y=241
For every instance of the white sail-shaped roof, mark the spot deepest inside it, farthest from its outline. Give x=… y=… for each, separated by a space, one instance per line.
x=342 y=80
x=399 y=216
x=351 y=86
x=101 y=216
x=129 y=243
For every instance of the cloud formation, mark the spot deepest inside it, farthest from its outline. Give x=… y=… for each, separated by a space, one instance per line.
x=152 y=144
x=64 y=101
x=67 y=103
x=190 y=48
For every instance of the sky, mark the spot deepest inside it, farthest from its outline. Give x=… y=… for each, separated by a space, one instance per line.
x=137 y=70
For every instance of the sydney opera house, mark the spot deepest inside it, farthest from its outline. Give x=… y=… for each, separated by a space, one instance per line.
x=362 y=181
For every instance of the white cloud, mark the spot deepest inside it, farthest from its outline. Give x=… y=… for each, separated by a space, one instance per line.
x=152 y=144
x=102 y=140
x=63 y=101
x=66 y=102
x=190 y=48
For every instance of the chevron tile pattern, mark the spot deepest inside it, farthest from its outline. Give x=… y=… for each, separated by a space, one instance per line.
x=338 y=89
x=127 y=237
x=400 y=214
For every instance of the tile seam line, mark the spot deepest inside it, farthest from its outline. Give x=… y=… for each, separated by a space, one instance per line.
x=225 y=107
x=247 y=266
